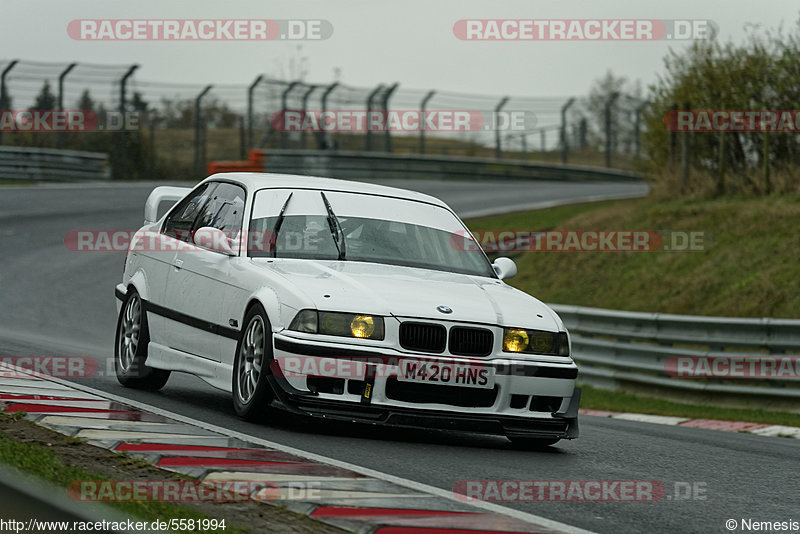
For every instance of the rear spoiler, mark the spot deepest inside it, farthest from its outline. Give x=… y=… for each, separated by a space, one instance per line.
x=164 y=193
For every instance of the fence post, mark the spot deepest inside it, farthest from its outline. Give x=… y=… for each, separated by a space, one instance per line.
x=323 y=135
x=672 y=140
x=61 y=98
x=564 y=109
x=637 y=138
x=498 y=147
x=542 y=141
x=284 y=99
x=524 y=146
x=610 y=102
x=370 y=98
x=766 y=163
x=3 y=94
x=250 y=91
x=121 y=163
x=385 y=107
x=151 y=125
x=583 y=130
x=685 y=153
x=721 y=165
x=307 y=94
x=198 y=138
x=242 y=139
x=422 y=107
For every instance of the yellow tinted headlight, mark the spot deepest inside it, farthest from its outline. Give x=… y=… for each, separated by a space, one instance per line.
x=515 y=340
x=362 y=326
x=534 y=341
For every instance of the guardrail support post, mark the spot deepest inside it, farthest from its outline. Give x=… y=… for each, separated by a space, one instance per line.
x=3 y=92
x=498 y=147
x=370 y=99
x=422 y=107
x=610 y=102
x=385 y=107
x=250 y=125
x=199 y=158
x=563 y=130
x=305 y=102
x=61 y=98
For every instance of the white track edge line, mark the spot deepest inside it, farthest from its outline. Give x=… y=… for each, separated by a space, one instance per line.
x=416 y=486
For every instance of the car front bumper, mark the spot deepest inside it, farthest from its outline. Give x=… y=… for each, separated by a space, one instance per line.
x=529 y=399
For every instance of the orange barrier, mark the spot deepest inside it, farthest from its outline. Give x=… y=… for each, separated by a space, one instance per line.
x=254 y=163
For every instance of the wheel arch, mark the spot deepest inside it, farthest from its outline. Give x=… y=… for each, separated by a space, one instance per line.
x=268 y=300
x=138 y=282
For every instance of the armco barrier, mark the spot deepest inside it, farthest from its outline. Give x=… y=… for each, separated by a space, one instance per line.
x=366 y=165
x=615 y=349
x=22 y=163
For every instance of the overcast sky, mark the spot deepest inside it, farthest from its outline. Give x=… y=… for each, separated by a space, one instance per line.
x=410 y=41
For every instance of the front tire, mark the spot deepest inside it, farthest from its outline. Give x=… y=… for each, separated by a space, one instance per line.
x=130 y=348
x=252 y=393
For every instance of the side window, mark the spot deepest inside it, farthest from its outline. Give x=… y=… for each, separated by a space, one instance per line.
x=181 y=219
x=224 y=210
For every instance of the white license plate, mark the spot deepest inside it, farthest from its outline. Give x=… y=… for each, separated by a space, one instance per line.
x=447 y=373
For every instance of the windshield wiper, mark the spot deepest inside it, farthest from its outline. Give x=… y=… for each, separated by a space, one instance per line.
x=278 y=222
x=335 y=226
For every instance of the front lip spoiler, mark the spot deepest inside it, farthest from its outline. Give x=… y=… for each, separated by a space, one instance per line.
x=562 y=426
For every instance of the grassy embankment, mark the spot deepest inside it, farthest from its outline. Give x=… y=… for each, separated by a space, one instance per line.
x=748 y=267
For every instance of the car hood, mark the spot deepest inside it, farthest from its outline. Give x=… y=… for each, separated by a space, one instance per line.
x=387 y=290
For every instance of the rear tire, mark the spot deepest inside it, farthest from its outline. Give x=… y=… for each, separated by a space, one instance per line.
x=252 y=393
x=130 y=348
x=532 y=444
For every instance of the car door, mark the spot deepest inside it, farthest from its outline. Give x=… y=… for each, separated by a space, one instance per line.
x=201 y=287
x=156 y=261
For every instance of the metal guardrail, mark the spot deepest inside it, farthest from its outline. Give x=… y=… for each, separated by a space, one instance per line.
x=22 y=163
x=618 y=348
x=364 y=165
x=35 y=502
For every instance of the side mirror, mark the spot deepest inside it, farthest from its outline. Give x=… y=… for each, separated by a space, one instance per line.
x=213 y=239
x=505 y=268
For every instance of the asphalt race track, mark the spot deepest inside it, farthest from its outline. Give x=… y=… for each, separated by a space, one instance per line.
x=57 y=302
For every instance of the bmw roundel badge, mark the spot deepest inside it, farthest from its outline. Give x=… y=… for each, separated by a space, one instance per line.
x=444 y=309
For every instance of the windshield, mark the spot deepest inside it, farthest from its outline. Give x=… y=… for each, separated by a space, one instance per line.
x=305 y=232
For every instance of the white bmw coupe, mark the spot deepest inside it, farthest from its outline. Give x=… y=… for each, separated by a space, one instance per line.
x=340 y=300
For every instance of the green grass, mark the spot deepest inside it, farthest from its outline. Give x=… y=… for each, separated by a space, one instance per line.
x=748 y=268
x=616 y=401
x=43 y=463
